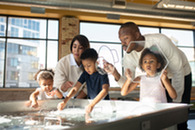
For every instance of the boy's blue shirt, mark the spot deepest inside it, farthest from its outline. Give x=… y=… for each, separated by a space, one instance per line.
x=94 y=83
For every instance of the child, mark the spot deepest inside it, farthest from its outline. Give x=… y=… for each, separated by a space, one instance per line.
x=152 y=85
x=97 y=84
x=45 y=80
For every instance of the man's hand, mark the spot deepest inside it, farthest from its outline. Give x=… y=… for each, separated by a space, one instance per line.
x=109 y=68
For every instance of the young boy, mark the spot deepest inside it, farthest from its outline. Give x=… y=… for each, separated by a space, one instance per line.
x=97 y=84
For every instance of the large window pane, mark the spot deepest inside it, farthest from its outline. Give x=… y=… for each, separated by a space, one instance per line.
x=52 y=54
x=190 y=53
x=2 y=60
x=26 y=27
x=53 y=26
x=24 y=58
x=147 y=30
x=180 y=37
x=2 y=26
x=27 y=45
x=111 y=53
x=100 y=32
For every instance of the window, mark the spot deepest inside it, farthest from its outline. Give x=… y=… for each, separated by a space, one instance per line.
x=2 y=60
x=147 y=30
x=2 y=26
x=14 y=62
x=186 y=44
x=32 y=44
x=14 y=32
x=14 y=75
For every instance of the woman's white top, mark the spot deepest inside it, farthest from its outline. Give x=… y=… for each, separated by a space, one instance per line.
x=152 y=90
x=67 y=70
x=43 y=95
x=178 y=66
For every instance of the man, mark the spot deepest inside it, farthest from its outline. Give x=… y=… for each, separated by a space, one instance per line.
x=179 y=70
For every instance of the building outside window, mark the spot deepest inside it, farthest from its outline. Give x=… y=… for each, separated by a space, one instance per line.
x=30 y=44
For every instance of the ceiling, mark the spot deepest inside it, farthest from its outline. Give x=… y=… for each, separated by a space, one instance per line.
x=140 y=9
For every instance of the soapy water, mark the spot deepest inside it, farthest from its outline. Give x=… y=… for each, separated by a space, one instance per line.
x=67 y=118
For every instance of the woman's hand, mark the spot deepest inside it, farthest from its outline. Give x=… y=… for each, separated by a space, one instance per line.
x=61 y=106
x=66 y=85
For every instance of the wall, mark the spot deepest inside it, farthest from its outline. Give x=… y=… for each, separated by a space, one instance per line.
x=15 y=94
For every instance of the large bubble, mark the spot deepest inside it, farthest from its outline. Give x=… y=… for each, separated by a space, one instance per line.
x=106 y=55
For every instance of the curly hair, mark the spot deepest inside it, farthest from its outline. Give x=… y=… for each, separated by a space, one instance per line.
x=159 y=57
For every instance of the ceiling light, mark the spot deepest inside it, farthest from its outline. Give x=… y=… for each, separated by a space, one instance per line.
x=177 y=4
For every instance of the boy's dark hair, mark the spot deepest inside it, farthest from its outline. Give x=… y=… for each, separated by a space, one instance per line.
x=84 y=42
x=44 y=74
x=159 y=57
x=89 y=53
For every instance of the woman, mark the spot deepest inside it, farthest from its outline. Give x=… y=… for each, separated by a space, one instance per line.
x=69 y=68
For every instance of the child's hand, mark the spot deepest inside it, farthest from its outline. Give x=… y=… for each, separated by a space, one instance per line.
x=28 y=103
x=34 y=104
x=89 y=108
x=52 y=93
x=88 y=118
x=61 y=106
x=164 y=75
x=128 y=73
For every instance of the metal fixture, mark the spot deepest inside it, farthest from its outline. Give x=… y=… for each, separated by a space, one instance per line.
x=37 y=10
x=177 y=5
x=121 y=4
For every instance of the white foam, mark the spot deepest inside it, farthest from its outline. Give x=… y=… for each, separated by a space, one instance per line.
x=31 y=122
x=4 y=120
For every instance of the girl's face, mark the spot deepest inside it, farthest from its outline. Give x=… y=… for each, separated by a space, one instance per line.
x=150 y=64
x=77 y=50
x=46 y=85
x=89 y=66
